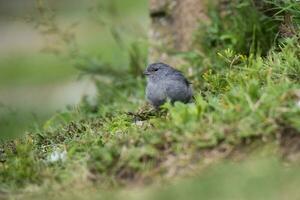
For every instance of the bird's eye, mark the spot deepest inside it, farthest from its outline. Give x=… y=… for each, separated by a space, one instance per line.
x=156 y=69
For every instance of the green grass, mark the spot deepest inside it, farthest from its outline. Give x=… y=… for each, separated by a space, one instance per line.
x=254 y=179
x=245 y=106
x=15 y=121
x=254 y=98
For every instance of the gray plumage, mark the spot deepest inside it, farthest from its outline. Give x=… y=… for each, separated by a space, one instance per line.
x=164 y=82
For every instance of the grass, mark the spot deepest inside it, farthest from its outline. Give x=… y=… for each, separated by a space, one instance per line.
x=244 y=101
x=251 y=99
x=13 y=121
x=224 y=181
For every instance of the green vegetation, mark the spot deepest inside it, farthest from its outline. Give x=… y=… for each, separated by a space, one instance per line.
x=246 y=93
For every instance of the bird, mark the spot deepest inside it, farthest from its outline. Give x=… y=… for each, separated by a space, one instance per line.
x=166 y=83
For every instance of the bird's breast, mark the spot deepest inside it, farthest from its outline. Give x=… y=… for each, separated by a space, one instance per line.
x=155 y=91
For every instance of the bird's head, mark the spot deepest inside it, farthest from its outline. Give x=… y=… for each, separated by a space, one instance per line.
x=156 y=70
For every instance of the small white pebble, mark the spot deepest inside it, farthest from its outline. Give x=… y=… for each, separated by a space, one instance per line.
x=57 y=155
x=298 y=103
x=139 y=123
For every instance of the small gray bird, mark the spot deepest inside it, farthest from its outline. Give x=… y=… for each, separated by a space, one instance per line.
x=164 y=82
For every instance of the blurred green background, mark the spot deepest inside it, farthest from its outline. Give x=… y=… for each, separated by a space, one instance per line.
x=37 y=75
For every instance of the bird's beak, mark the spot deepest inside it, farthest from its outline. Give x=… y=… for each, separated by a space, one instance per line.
x=146 y=73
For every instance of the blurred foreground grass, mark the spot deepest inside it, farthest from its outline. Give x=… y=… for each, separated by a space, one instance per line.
x=254 y=179
x=265 y=179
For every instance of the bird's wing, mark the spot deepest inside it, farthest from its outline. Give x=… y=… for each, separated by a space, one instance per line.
x=178 y=76
x=178 y=88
